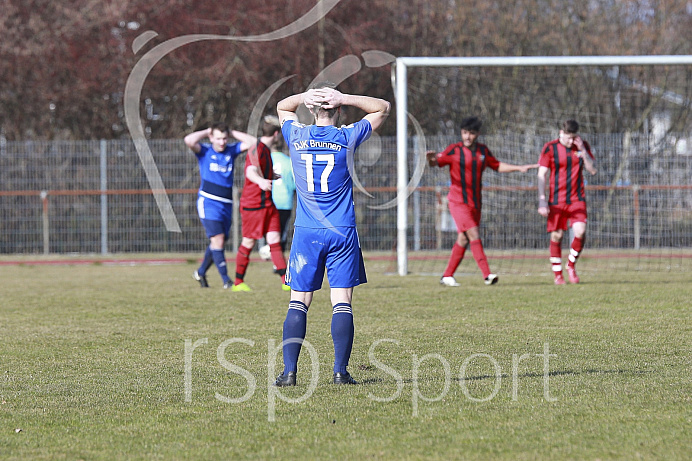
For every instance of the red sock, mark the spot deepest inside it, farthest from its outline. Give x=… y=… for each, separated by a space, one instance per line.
x=575 y=251
x=479 y=256
x=556 y=257
x=454 y=260
x=278 y=259
x=242 y=260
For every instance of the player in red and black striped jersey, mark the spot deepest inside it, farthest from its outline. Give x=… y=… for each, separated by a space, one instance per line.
x=258 y=213
x=565 y=158
x=467 y=160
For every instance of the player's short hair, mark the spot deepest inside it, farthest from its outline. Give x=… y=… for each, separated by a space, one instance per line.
x=270 y=125
x=570 y=126
x=220 y=126
x=325 y=84
x=471 y=124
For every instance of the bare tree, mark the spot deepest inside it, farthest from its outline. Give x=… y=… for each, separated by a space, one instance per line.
x=67 y=62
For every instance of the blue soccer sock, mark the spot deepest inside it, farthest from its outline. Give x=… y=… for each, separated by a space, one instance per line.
x=342 y=335
x=220 y=261
x=294 y=329
x=206 y=262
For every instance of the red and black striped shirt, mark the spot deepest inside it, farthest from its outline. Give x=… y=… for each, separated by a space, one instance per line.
x=253 y=197
x=565 y=181
x=466 y=171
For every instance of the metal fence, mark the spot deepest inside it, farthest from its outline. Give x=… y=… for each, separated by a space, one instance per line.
x=93 y=196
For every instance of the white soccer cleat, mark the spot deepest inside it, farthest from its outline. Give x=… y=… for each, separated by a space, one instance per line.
x=491 y=279
x=449 y=282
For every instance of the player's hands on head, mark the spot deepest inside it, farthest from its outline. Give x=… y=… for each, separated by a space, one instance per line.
x=310 y=100
x=331 y=98
x=579 y=143
x=327 y=98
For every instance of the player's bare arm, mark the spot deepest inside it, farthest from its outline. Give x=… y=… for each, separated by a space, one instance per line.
x=582 y=153
x=327 y=98
x=193 y=140
x=253 y=174
x=509 y=168
x=246 y=140
x=431 y=157
x=377 y=110
x=589 y=164
x=286 y=108
x=542 y=201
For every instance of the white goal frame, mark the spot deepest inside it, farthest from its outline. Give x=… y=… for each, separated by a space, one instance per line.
x=401 y=90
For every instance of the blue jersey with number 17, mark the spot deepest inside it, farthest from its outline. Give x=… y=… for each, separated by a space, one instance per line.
x=322 y=158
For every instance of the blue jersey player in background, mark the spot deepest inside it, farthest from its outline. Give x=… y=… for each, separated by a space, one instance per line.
x=325 y=226
x=215 y=196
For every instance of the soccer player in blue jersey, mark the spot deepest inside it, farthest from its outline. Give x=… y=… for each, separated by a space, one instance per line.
x=325 y=226
x=215 y=196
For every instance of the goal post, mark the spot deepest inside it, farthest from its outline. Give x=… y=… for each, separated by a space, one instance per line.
x=402 y=65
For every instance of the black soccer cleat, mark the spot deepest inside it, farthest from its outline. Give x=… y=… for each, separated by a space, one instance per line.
x=344 y=378
x=202 y=279
x=286 y=379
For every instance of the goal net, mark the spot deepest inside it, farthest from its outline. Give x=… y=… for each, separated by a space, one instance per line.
x=635 y=112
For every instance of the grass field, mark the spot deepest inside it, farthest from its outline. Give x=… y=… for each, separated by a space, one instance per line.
x=96 y=362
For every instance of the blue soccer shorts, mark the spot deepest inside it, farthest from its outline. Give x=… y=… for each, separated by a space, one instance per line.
x=313 y=250
x=216 y=216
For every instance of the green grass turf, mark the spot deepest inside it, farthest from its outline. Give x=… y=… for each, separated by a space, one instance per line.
x=92 y=366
